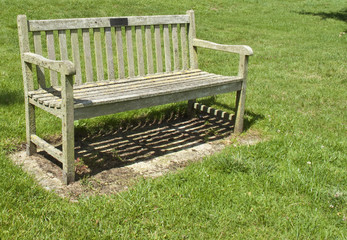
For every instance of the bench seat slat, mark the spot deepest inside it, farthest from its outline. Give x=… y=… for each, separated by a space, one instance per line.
x=99 y=91
x=128 y=90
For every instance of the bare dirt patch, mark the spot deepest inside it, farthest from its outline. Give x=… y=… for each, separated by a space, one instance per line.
x=111 y=162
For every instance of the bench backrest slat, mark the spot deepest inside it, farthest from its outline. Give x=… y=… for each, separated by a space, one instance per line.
x=38 y=49
x=139 y=51
x=158 y=51
x=184 y=47
x=167 y=49
x=112 y=48
x=109 y=53
x=98 y=54
x=149 y=49
x=51 y=55
x=130 y=51
x=76 y=56
x=120 y=55
x=87 y=55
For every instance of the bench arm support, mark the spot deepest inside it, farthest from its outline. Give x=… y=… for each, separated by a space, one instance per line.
x=240 y=49
x=64 y=67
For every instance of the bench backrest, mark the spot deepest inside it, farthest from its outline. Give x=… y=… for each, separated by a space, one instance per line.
x=111 y=48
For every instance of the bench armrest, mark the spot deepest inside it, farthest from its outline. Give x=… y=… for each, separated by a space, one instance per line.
x=240 y=49
x=65 y=67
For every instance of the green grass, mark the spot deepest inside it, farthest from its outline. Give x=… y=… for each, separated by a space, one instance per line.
x=292 y=186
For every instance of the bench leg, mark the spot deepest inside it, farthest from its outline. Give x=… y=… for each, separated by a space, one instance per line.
x=30 y=128
x=190 y=109
x=68 y=131
x=240 y=109
x=241 y=95
x=68 y=143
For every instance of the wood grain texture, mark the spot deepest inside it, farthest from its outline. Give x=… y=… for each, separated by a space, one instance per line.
x=184 y=47
x=241 y=95
x=84 y=23
x=87 y=55
x=158 y=51
x=193 y=52
x=38 y=50
x=76 y=56
x=98 y=55
x=51 y=150
x=154 y=100
x=139 y=51
x=130 y=89
x=68 y=139
x=28 y=83
x=120 y=55
x=167 y=50
x=63 y=45
x=109 y=53
x=64 y=67
x=51 y=55
x=240 y=49
x=149 y=50
x=175 y=50
x=130 y=51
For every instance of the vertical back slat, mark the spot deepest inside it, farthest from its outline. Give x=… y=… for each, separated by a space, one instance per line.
x=148 y=35
x=63 y=45
x=51 y=55
x=184 y=46
x=87 y=55
x=38 y=50
x=130 y=52
x=167 y=48
x=98 y=55
x=158 y=53
x=139 y=50
x=76 y=56
x=175 y=47
x=120 y=55
x=109 y=53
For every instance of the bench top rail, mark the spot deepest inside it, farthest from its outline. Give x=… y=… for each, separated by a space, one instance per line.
x=102 y=22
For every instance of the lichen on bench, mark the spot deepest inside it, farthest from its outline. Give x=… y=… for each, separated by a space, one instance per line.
x=90 y=67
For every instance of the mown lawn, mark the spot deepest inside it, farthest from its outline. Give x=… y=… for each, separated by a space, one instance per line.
x=291 y=186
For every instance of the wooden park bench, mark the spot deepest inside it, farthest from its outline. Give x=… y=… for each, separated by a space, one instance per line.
x=90 y=67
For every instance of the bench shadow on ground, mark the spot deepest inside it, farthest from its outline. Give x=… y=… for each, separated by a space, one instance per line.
x=146 y=139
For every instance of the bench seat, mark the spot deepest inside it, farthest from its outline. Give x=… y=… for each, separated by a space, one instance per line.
x=178 y=85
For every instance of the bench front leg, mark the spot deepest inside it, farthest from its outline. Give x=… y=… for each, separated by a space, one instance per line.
x=241 y=95
x=68 y=138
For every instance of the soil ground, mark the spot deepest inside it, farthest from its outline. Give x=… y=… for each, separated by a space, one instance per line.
x=111 y=162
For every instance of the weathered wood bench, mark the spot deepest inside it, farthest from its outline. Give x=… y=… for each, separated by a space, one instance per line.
x=75 y=81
